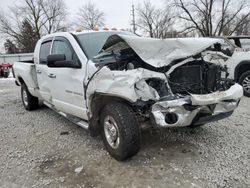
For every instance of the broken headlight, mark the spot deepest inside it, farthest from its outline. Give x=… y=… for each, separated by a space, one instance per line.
x=159 y=86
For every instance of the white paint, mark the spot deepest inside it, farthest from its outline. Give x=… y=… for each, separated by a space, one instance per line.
x=162 y=52
x=235 y=92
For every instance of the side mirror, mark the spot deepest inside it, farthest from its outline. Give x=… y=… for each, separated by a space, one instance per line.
x=59 y=61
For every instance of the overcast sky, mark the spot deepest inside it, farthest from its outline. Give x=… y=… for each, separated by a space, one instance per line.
x=117 y=12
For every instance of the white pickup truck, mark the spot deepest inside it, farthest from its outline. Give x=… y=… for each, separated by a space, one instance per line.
x=112 y=82
x=240 y=62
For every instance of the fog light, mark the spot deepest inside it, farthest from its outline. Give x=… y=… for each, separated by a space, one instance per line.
x=171 y=118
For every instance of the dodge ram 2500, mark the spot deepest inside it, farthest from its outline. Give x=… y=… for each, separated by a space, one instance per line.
x=111 y=83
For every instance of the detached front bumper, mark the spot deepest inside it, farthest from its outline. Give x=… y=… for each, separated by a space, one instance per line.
x=196 y=109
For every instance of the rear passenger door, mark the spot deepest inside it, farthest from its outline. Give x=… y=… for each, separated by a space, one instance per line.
x=42 y=70
x=66 y=84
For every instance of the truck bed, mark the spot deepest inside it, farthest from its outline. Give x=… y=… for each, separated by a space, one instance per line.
x=25 y=72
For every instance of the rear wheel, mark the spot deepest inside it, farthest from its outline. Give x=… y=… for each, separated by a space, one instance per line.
x=120 y=131
x=29 y=102
x=245 y=82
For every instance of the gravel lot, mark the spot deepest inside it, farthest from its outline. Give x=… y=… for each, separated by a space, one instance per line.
x=42 y=149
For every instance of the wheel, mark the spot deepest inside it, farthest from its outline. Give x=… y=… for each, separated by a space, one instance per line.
x=120 y=131
x=6 y=74
x=29 y=102
x=245 y=82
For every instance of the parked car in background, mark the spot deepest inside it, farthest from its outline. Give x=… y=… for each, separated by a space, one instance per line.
x=239 y=61
x=5 y=70
x=241 y=41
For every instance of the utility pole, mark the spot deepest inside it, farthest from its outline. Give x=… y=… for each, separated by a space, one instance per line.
x=133 y=20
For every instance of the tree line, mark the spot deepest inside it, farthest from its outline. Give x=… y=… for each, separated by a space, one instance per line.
x=28 y=21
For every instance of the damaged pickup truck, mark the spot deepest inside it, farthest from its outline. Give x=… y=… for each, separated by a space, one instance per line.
x=112 y=82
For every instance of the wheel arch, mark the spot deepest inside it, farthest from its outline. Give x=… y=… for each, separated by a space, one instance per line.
x=96 y=104
x=20 y=81
x=240 y=69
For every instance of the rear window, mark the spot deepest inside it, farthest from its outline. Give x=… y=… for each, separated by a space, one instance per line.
x=245 y=43
x=44 y=52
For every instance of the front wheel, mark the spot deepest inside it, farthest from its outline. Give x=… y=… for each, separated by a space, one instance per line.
x=245 y=82
x=29 y=102
x=120 y=131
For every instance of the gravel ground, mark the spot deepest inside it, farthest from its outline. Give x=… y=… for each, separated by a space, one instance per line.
x=42 y=149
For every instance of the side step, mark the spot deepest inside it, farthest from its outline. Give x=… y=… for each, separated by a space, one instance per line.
x=78 y=121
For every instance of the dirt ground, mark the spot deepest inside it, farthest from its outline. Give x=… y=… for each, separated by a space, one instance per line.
x=42 y=149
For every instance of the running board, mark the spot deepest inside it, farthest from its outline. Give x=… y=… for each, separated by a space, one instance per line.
x=78 y=121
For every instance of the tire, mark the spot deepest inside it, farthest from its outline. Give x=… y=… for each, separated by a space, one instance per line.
x=245 y=82
x=29 y=102
x=120 y=119
x=6 y=75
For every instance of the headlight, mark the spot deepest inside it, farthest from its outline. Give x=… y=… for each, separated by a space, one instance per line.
x=159 y=86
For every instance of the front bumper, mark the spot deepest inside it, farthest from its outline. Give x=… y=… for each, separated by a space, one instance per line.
x=196 y=109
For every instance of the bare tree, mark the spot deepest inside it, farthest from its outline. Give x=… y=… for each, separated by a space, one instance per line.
x=157 y=23
x=55 y=15
x=44 y=16
x=244 y=27
x=89 y=16
x=212 y=17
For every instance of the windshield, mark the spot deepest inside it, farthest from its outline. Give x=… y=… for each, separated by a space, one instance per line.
x=92 y=43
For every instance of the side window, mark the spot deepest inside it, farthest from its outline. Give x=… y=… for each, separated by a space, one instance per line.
x=62 y=47
x=44 y=52
x=245 y=43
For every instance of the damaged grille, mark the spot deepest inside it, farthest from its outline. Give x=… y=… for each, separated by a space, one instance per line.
x=197 y=77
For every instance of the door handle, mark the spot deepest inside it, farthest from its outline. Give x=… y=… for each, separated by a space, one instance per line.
x=52 y=75
x=38 y=71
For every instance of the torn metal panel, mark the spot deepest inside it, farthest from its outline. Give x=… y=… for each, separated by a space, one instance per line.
x=129 y=85
x=145 y=92
x=223 y=107
x=233 y=93
x=161 y=52
x=184 y=117
x=225 y=101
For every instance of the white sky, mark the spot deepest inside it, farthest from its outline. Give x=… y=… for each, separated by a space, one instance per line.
x=117 y=12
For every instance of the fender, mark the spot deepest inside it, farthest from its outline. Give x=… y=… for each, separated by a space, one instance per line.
x=96 y=103
x=237 y=70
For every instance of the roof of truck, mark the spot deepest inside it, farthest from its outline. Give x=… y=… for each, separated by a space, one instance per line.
x=100 y=31
x=83 y=32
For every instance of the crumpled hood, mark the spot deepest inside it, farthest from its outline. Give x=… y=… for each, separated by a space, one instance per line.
x=162 y=52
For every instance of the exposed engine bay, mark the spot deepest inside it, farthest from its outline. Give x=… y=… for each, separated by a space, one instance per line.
x=196 y=76
x=173 y=81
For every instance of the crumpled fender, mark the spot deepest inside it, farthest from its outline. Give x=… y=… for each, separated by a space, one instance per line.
x=129 y=84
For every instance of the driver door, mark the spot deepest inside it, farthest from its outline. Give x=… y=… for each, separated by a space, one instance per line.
x=66 y=84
